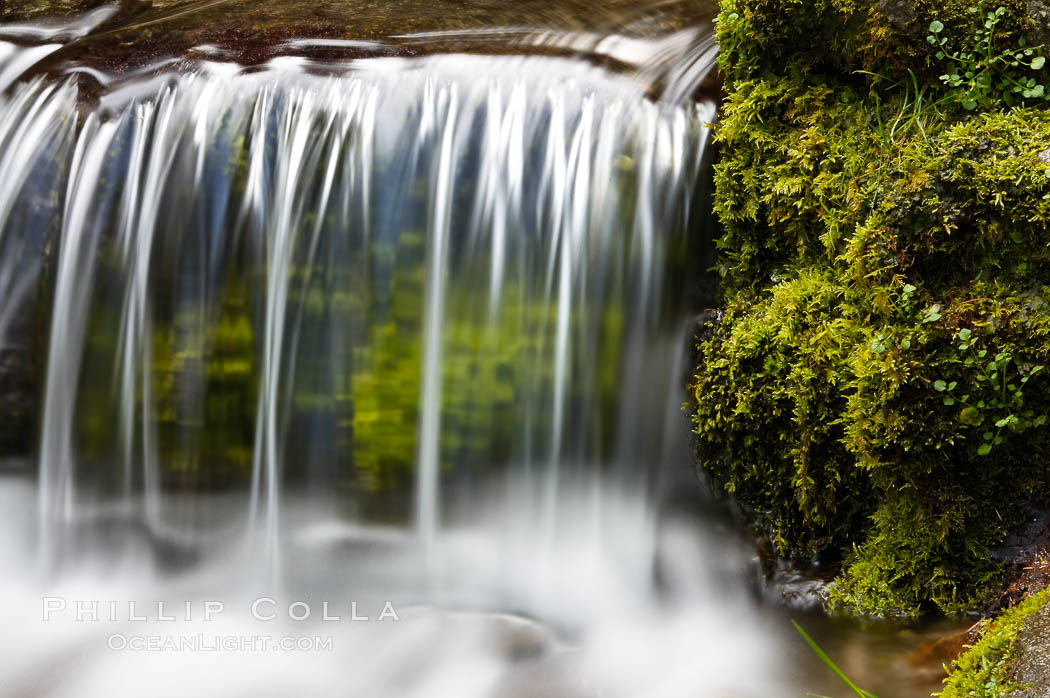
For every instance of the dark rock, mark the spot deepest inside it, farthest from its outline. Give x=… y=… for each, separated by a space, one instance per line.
x=1039 y=22
x=116 y=537
x=904 y=15
x=1033 y=656
x=797 y=589
x=1025 y=542
x=901 y=14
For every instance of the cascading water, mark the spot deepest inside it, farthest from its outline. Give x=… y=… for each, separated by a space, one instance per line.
x=383 y=334
x=519 y=228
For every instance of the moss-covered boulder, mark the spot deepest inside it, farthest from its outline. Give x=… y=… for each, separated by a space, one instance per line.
x=1008 y=658
x=872 y=390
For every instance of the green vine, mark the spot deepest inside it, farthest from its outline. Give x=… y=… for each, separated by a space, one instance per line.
x=1001 y=399
x=982 y=74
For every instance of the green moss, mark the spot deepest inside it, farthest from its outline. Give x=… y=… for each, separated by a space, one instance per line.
x=867 y=221
x=769 y=389
x=984 y=670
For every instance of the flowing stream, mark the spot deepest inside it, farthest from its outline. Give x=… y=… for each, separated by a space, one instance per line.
x=394 y=326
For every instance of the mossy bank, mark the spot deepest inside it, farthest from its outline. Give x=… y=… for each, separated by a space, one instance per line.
x=872 y=389
x=1001 y=662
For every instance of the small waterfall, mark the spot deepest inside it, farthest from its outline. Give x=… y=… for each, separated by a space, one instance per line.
x=413 y=327
x=509 y=234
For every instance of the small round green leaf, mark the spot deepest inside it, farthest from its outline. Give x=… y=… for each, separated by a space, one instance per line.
x=970 y=416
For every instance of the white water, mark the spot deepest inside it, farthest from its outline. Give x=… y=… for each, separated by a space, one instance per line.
x=449 y=295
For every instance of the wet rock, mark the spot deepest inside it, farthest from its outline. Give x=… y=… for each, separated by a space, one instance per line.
x=799 y=590
x=1033 y=656
x=1039 y=23
x=523 y=639
x=899 y=13
x=904 y=15
x=928 y=659
x=116 y=537
x=1024 y=543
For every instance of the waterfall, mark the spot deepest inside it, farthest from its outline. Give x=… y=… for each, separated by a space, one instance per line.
x=411 y=326
x=511 y=217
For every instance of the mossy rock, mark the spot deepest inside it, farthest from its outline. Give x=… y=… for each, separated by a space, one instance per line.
x=989 y=669
x=871 y=223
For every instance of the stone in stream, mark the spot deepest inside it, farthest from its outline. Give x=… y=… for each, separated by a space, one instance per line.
x=928 y=659
x=115 y=537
